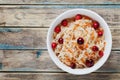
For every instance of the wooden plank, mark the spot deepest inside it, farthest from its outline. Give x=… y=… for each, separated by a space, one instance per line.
x=42 y=16
x=36 y=60
x=27 y=60
x=23 y=38
x=35 y=38
x=59 y=76
x=59 y=2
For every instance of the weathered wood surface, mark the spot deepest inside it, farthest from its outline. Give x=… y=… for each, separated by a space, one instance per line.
x=23 y=38
x=35 y=38
x=42 y=16
x=36 y=60
x=59 y=2
x=59 y=76
x=29 y=21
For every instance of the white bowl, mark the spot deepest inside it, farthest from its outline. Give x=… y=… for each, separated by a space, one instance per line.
x=108 y=39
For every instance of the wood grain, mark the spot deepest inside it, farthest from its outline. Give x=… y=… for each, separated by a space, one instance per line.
x=25 y=38
x=42 y=16
x=35 y=38
x=59 y=76
x=24 y=25
x=59 y=1
x=27 y=60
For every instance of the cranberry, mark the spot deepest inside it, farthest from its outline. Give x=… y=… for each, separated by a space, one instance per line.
x=101 y=53
x=54 y=45
x=78 y=16
x=95 y=48
x=60 y=40
x=100 y=33
x=64 y=22
x=72 y=65
x=57 y=29
x=80 y=40
x=89 y=63
x=95 y=24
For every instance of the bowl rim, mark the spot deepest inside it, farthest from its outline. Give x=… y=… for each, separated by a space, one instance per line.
x=85 y=70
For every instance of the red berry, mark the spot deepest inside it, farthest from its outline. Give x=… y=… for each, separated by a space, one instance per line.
x=80 y=40
x=95 y=48
x=72 y=65
x=101 y=53
x=57 y=29
x=100 y=33
x=78 y=16
x=54 y=45
x=60 y=40
x=89 y=63
x=64 y=22
x=95 y=24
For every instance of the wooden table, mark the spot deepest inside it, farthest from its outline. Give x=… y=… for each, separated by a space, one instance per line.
x=24 y=25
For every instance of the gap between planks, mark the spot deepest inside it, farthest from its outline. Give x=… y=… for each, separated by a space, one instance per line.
x=44 y=72
x=59 y=2
x=60 y=6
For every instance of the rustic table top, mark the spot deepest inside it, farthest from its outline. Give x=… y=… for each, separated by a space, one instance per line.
x=24 y=25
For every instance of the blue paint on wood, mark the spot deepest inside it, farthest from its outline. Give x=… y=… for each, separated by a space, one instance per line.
x=38 y=53
x=1 y=65
x=7 y=46
x=10 y=30
x=108 y=2
x=21 y=69
x=71 y=6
